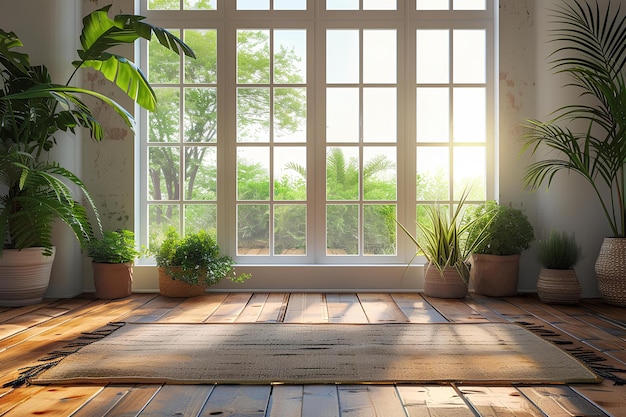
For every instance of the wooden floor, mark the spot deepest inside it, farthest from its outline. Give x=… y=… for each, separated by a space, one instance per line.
x=29 y=333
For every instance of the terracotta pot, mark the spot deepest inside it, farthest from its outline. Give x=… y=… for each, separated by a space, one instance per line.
x=611 y=271
x=449 y=284
x=24 y=276
x=558 y=286
x=113 y=280
x=495 y=275
x=175 y=288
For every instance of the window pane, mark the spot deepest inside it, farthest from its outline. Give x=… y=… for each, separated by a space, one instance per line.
x=379 y=5
x=379 y=173
x=253 y=4
x=470 y=115
x=200 y=5
x=200 y=115
x=342 y=229
x=342 y=4
x=432 y=4
x=160 y=218
x=380 y=116
x=433 y=173
x=253 y=229
x=253 y=56
x=469 y=4
x=433 y=59
x=470 y=172
x=164 y=121
x=164 y=168
x=290 y=229
x=290 y=114
x=289 y=4
x=202 y=69
x=379 y=235
x=290 y=56
x=200 y=173
x=200 y=217
x=163 y=65
x=342 y=56
x=342 y=115
x=253 y=175
x=379 y=56
x=253 y=114
x=342 y=173
x=290 y=173
x=433 y=114
x=163 y=4
x=469 y=56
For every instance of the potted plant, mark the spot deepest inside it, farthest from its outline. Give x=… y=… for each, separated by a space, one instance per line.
x=113 y=256
x=495 y=261
x=447 y=242
x=188 y=264
x=32 y=111
x=558 y=283
x=590 y=49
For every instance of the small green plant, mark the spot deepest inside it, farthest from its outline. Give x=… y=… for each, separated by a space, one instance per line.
x=115 y=247
x=448 y=241
x=510 y=232
x=195 y=258
x=559 y=251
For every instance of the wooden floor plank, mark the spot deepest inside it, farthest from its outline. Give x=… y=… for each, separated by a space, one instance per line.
x=500 y=401
x=237 y=400
x=433 y=401
x=57 y=401
x=104 y=401
x=455 y=311
x=561 y=402
x=286 y=401
x=230 y=308
x=345 y=308
x=274 y=309
x=416 y=309
x=380 y=308
x=320 y=400
x=370 y=401
x=132 y=402
x=177 y=400
x=306 y=308
x=253 y=309
x=194 y=309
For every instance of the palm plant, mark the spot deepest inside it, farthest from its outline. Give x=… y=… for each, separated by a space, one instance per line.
x=33 y=109
x=591 y=51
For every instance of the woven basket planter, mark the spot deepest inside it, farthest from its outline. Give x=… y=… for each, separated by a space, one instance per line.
x=450 y=284
x=611 y=271
x=558 y=286
x=175 y=288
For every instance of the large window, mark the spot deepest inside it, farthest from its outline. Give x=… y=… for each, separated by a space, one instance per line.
x=305 y=128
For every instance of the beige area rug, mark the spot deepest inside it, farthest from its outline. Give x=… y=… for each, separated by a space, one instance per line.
x=255 y=353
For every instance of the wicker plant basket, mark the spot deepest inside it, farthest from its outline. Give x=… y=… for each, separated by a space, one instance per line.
x=175 y=288
x=611 y=271
x=558 y=286
x=450 y=284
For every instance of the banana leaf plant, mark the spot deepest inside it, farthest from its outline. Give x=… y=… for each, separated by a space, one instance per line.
x=591 y=49
x=33 y=109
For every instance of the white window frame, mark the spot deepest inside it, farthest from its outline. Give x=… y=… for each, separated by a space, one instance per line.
x=349 y=272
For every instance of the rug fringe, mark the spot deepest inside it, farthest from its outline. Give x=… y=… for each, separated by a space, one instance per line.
x=26 y=374
x=588 y=357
